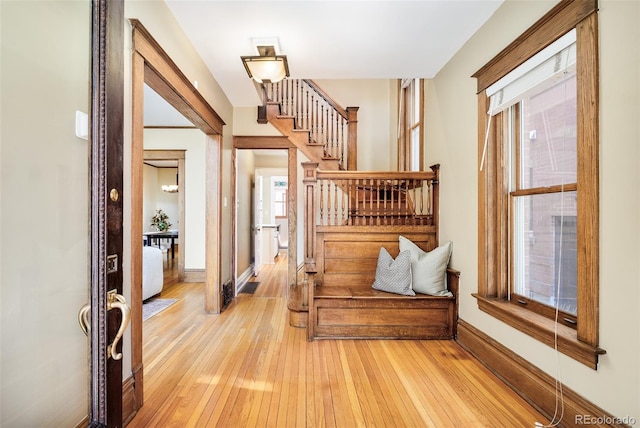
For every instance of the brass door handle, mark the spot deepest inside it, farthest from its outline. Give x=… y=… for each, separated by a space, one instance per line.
x=83 y=318
x=117 y=301
x=114 y=301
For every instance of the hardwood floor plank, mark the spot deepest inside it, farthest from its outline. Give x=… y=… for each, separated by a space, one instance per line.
x=373 y=391
x=430 y=378
x=248 y=368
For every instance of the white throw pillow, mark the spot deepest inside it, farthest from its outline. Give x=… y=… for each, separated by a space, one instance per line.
x=393 y=276
x=428 y=268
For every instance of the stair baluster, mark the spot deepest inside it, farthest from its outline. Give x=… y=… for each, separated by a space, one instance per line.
x=312 y=110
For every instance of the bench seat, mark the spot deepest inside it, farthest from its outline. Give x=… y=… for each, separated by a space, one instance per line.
x=360 y=312
x=353 y=310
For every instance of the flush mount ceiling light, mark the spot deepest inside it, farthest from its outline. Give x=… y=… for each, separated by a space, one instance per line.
x=170 y=188
x=267 y=67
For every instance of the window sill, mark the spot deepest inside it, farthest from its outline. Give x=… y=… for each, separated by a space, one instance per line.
x=541 y=329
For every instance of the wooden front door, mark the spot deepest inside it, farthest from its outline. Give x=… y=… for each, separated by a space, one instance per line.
x=109 y=310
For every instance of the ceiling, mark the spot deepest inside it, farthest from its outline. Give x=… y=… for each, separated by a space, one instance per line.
x=343 y=39
x=158 y=112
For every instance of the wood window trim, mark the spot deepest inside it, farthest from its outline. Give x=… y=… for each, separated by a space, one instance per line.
x=542 y=329
x=404 y=139
x=580 y=344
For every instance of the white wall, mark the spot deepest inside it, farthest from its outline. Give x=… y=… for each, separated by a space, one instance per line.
x=377 y=116
x=44 y=211
x=245 y=122
x=377 y=119
x=245 y=169
x=451 y=139
x=154 y=198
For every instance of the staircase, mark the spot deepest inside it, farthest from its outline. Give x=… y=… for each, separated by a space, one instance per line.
x=339 y=199
x=327 y=135
x=323 y=130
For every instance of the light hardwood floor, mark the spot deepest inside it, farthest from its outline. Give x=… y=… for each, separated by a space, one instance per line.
x=248 y=368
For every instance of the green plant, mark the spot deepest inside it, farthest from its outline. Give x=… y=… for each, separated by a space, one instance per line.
x=160 y=221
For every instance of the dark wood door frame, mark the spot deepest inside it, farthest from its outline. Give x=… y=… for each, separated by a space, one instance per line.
x=107 y=120
x=151 y=65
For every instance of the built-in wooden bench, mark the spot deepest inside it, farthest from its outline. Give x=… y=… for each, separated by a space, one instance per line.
x=341 y=260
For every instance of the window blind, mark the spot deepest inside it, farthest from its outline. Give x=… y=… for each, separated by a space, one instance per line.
x=542 y=70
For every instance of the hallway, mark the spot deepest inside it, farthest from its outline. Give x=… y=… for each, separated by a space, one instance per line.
x=247 y=367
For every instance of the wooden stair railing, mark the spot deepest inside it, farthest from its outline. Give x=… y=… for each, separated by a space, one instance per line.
x=327 y=125
x=367 y=198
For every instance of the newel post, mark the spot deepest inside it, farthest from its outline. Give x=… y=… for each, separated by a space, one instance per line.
x=352 y=138
x=309 y=181
x=435 y=203
x=262 y=110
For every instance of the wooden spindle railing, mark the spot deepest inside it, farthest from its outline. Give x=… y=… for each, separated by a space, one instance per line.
x=329 y=124
x=353 y=199
x=372 y=198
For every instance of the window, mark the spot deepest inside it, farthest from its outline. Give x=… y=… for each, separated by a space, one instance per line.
x=538 y=182
x=410 y=118
x=541 y=164
x=280 y=197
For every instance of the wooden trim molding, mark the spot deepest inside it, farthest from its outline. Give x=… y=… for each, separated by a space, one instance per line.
x=213 y=225
x=194 y=275
x=262 y=142
x=128 y=400
x=542 y=329
x=165 y=77
x=588 y=136
x=527 y=380
x=562 y=18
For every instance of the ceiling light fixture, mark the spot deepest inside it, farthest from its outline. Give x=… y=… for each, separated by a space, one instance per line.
x=267 y=67
x=170 y=188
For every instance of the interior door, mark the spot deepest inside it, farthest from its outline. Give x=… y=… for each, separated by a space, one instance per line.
x=257 y=223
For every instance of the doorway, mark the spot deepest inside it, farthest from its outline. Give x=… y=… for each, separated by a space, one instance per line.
x=270 y=210
x=169 y=165
x=152 y=66
x=242 y=172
